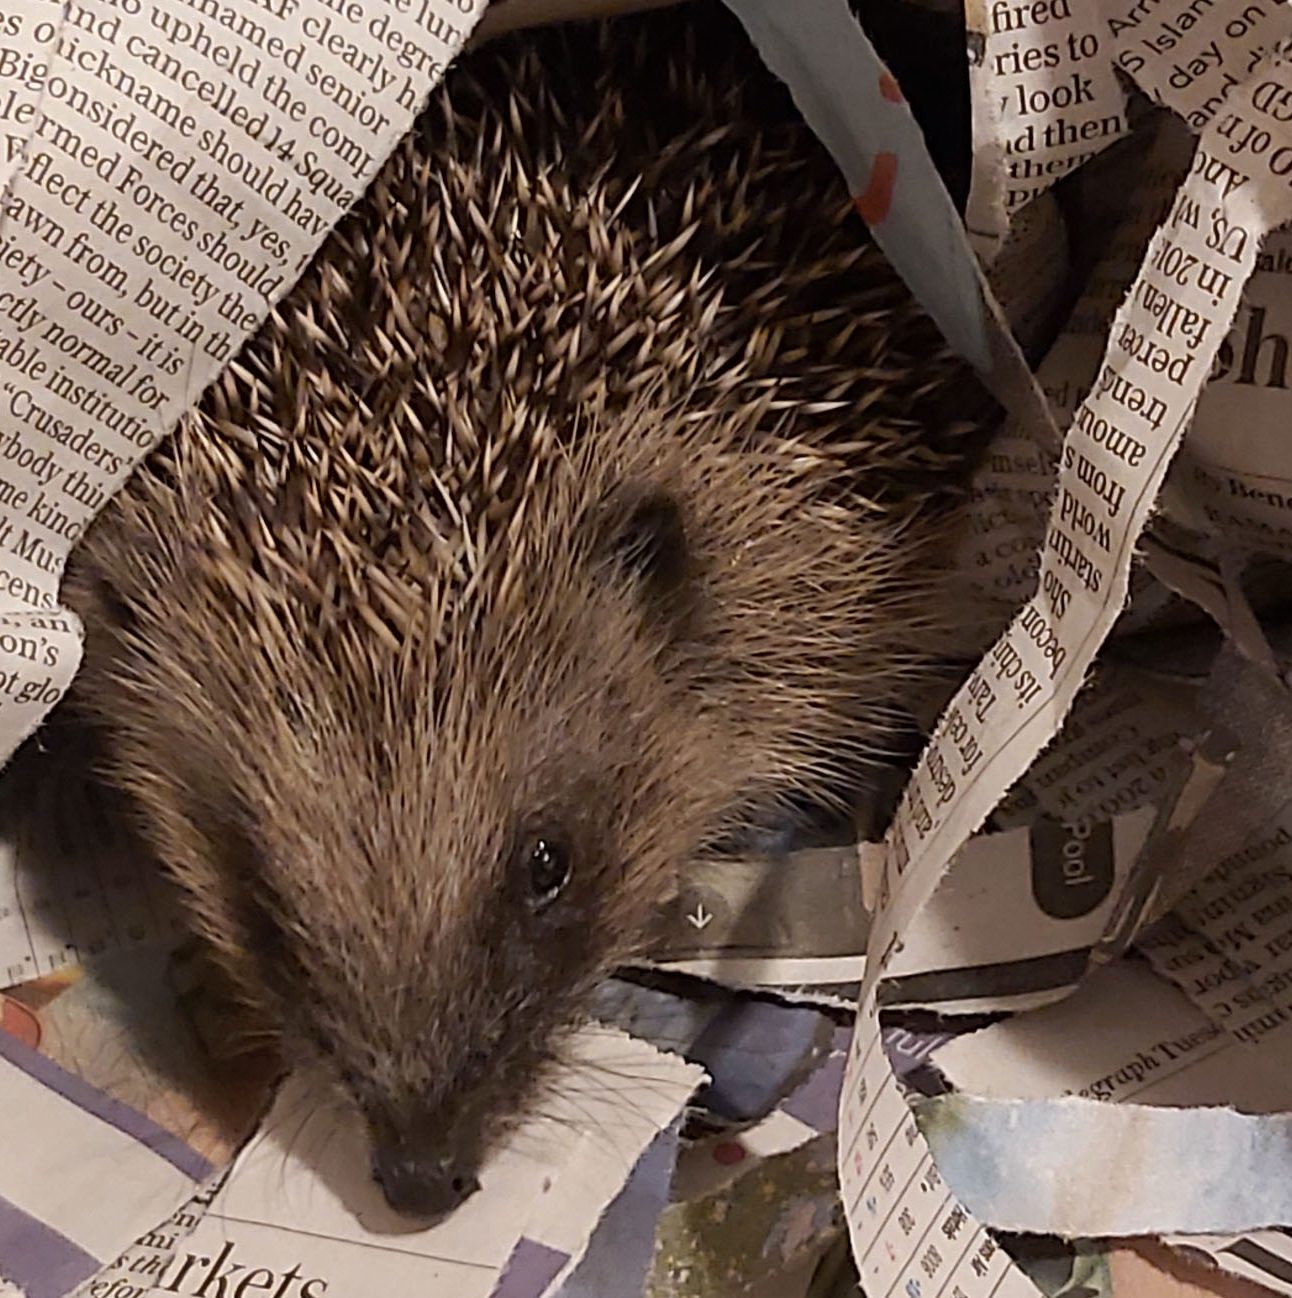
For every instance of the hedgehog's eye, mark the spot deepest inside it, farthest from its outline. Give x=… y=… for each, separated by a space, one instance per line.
x=549 y=866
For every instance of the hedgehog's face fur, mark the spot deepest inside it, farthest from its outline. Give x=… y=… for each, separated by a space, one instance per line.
x=416 y=854
x=415 y=861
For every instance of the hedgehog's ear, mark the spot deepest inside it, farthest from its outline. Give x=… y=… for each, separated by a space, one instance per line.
x=648 y=540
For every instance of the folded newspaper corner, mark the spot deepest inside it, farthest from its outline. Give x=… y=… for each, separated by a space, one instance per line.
x=168 y=169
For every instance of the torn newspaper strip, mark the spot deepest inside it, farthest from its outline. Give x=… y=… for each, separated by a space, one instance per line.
x=1193 y=57
x=857 y=109
x=1045 y=100
x=1016 y=918
x=1013 y=927
x=136 y=1272
x=1129 y=1036
x=1046 y=92
x=1012 y=489
x=792 y=920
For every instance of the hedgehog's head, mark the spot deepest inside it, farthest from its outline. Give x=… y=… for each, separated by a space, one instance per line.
x=428 y=774
x=417 y=855
x=538 y=824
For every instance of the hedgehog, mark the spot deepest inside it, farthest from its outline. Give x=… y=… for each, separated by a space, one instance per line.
x=586 y=504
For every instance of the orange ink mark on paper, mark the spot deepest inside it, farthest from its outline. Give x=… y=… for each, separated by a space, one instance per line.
x=18 y=1021
x=873 y=203
x=889 y=88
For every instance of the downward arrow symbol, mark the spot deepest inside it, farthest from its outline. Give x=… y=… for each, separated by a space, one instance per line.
x=700 y=918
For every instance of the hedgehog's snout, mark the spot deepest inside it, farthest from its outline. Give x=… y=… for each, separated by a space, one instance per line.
x=423 y=1188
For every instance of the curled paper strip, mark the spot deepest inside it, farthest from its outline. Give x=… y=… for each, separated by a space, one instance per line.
x=1126 y=1037
x=1045 y=100
x=1000 y=1156
x=856 y=107
x=1046 y=93
x=816 y=47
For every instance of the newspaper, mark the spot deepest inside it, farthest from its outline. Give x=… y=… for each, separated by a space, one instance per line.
x=1046 y=94
x=1012 y=490
x=793 y=920
x=1127 y=1038
x=1235 y=466
x=1045 y=100
x=772 y=1183
x=299 y=1201
x=133 y=1274
x=103 y=1086
x=1191 y=57
x=1161 y=345
x=1013 y=927
x=784 y=1210
x=51 y=1239
x=1225 y=949
x=1016 y=918
x=174 y=167
x=1120 y=749
x=75 y=882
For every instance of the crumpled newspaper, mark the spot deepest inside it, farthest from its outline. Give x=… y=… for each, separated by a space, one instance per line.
x=1162 y=135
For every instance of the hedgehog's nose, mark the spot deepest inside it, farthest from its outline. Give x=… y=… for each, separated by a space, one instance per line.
x=424 y=1189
